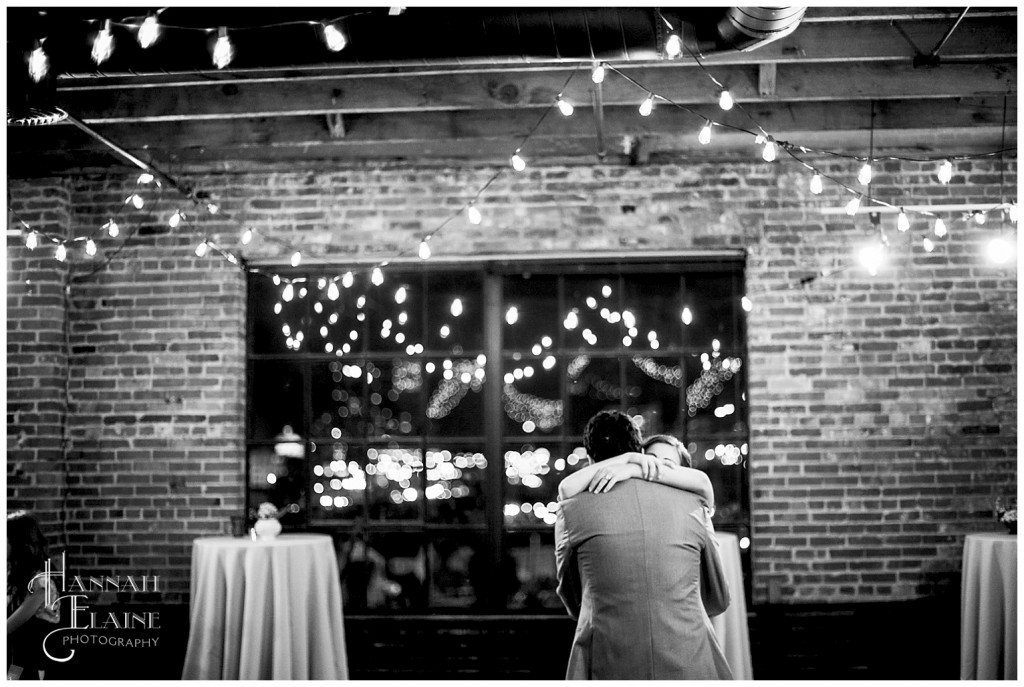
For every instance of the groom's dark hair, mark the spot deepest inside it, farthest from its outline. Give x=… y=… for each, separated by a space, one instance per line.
x=610 y=433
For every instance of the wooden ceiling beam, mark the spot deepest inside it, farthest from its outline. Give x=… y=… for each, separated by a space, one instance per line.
x=516 y=90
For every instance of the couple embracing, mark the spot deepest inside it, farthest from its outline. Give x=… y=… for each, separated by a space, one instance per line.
x=638 y=565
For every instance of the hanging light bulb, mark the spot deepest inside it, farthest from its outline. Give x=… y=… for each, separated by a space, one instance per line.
x=705 y=133
x=61 y=253
x=945 y=172
x=769 y=152
x=872 y=257
x=940 y=228
x=853 y=206
x=674 y=46
x=747 y=304
x=979 y=217
x=902 y=221
x=90 y=247
x=424 y=250
x=112 y=228
x=518 y=163
x=288 y=293
x=175 y=219
x=512 y=315
x=332 y=291
x=928 y=244
x=136 y=200
x=564 y=106
x=816 y=186
x=1012 y=213
x=223 y=49
x=145 y=178
x=474 y=215
x=647 y=106
x=149 y=32
x=38 y=63
x=296 y=258
x=597 y=75
x=456 y=308
x=31 y=240
x=246 y=236
x=759 y=139
x=377 y=276
x=400 y=296
x=725 y=100
x=276 y=279
x=103 y=45
x=213 y=208
x=347 y=280
x=334 y=38
x=687 y=316
x=201 y=248
x=864 y=176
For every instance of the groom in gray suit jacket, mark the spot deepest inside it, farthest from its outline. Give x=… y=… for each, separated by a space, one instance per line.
x=638 y=567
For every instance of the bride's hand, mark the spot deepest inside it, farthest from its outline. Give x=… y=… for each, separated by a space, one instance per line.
x=608 y=476
x=650 y=466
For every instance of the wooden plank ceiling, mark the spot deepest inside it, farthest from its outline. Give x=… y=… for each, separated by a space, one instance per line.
x=287 y=100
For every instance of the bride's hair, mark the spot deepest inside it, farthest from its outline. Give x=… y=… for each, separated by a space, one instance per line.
x=684 y=456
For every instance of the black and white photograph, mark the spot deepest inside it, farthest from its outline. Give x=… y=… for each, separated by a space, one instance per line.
x=511 y=342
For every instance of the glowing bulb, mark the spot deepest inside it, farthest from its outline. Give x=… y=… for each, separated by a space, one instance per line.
x=61 y=253
x=928 y=244
x=445 y=331
x=103 y=46
x=1000 y=251
x=201 y=249
x=864 y=176
x=424 y=250
x=725 y=100
x=474 y=215
x=674 y=46
x=816 y=184
x=276 y=279
x=377 y=276
x=112 y=228
x=32 y=240
x=518 y=163
x=769 y=153
x=853 y=206
x=223 y=49
x=512 y=315
x=213 y=208
x=597 y=75
x=175 y=219
x=902 y=221
x=334 y=38
x=979 y=217
x=564 y=106
x=246 y=236
x=872 y=257
x=400 y=295
x=747 y=304
x=90 y=247
x=38 y=64
x=288 y=293
x=347 y=279
x=940 y=228
x=456 y=307
x=136 y=200
x=705 y=134
x=606 y=290
x=945 y=172
x=647 y=106
x=149 y=32
x=687 y=316
x=296 y=258
x=332 y=291
x=145 y=178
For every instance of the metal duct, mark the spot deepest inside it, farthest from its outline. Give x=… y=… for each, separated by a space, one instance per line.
x=747 y=28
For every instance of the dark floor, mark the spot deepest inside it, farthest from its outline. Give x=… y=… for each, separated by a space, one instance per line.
x=897 y=640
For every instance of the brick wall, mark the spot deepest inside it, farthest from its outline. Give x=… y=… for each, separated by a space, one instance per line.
x=883 y=408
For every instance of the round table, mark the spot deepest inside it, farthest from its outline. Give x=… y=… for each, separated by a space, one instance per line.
x=988 y=608
x=265 y=609
x=731 y=626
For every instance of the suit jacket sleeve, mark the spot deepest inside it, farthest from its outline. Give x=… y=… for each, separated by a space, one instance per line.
x=570 y=588
x=714 y=587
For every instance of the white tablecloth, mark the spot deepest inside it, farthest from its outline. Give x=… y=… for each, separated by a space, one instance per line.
x=731 y=626
x=988 y=608
x=265 y=610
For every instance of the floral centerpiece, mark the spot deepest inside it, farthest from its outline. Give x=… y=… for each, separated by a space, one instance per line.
x=267 y=524
x=1006 y=512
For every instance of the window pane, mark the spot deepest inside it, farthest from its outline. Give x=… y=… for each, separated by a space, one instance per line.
x=455 y=313
x=593 y=386
x=530 y=311
x=725 y=461
x=394 y=313
x=534 y=557
x=395 y=397
x=532 y=395
x=531 y=484
x=655 y=389
x=276 y=398
x=651 y=305
x=337 y=400
x=454 y=389
x=269 y=313
x=277 y=474
x=394 y=475
x=339 y=482
x=455 y=485
x=383 y=571
x=714 y=401
x=459 y=571
x=710 y=298
x=596 y=322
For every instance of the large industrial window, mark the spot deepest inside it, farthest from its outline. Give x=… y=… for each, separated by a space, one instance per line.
x=426 y=421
